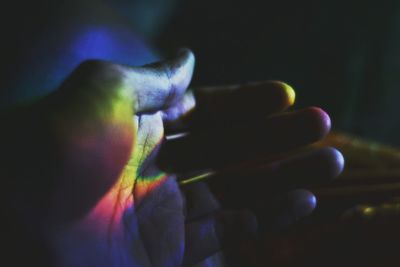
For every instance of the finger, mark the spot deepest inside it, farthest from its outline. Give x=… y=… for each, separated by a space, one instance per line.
x=260 y=184
x=161 y=85
x=310 y=168
x=217 y=106
x=222 y=147
x=224 y=105
x=209 y=235
x=287 y=210
x=199 y=201
x=174 y=117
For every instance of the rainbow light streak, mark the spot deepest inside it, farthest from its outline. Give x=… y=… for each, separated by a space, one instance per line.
x=111 y=208
x=134 y=184
x=196 y=178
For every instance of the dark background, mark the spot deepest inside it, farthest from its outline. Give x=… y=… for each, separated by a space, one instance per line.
x=341 y=55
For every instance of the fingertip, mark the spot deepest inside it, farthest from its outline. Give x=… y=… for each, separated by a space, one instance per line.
x=290 y=93
x=182 y=67
x=190 y=55
x=186 y=53
x=186 y=57
x=341 y=161
x=336 y=160
x=312 y=202
x=292 y=207
x=287 y=95
x=305 y=202
x=328 y=163
x=323 y=120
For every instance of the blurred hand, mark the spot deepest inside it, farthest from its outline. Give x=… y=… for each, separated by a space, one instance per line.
x=256 y=151
x=82 y=166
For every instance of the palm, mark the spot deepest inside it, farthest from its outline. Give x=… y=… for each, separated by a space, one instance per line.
x=140 y=221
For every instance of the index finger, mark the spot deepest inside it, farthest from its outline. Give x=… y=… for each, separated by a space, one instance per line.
x=229 y=104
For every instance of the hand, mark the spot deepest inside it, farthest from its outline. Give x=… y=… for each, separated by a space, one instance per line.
x=255 y=149
x=80 y=169
x=90 y=189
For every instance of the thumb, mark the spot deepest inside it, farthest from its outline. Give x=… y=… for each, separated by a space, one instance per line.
x=88 y=124
x=94 y=122
x=148 y=88
x=160 y=85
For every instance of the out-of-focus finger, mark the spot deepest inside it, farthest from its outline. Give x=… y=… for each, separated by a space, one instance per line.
x=314 y=167
x=259 y=184
x=224 y=105
x=209 y=235
x=225 y=146
x=286 y=210
x=199 y=201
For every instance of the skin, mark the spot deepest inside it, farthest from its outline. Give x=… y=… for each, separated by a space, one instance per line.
x=97 y=195
x=97 y=188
